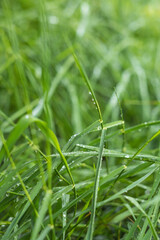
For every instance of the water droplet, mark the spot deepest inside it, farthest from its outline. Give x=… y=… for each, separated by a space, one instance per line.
x=38 y=72
x=53 y=20
x=90 y=93
x=85 y=8
x=127 y=156
x=63 y=167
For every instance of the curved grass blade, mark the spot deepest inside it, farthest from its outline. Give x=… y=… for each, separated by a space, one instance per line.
x=54 y=141
x=23 y=123
x=18 y=175
x=15 y=134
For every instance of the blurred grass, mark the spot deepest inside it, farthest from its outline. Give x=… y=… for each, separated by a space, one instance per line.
x=53 y=192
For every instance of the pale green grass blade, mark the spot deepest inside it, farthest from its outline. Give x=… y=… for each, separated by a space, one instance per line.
x=124 y=215
x=96 y=186
x=133 y=229
x=44 y=233
x=39 y=221
x=153 y=208
x=61 y=73
x=133 y=201
x=65 y=200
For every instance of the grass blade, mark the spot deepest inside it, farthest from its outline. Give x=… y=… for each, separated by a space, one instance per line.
x=95 y=192
x=86 y=80
x=39 y=221
x=133 y=201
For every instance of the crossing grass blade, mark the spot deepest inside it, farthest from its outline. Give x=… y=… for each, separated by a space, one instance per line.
x=23 y=123
x=144 y=145
x=44 y=233
x=133 y=201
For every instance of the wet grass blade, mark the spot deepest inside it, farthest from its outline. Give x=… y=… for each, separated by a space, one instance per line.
x=96 y=186
x=133 y=201
x=86 y=80
x=39 y=221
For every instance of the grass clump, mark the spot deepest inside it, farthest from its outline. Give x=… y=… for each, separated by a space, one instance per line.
x=79 y=120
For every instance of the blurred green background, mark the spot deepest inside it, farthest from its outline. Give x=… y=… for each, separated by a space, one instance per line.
x=116 y=41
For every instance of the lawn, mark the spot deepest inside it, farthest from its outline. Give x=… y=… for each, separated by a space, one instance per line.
x=79 y=120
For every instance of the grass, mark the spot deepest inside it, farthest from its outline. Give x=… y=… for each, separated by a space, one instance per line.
x=79 y=120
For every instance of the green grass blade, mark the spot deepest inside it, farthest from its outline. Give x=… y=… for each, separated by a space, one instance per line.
x=126 y=189
x=39 y=221
x=133 y=201
x=72 y=141
x=44 y=232
x=86 y=80
x=95 y=192
x=144 y=145
x=34 y=192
